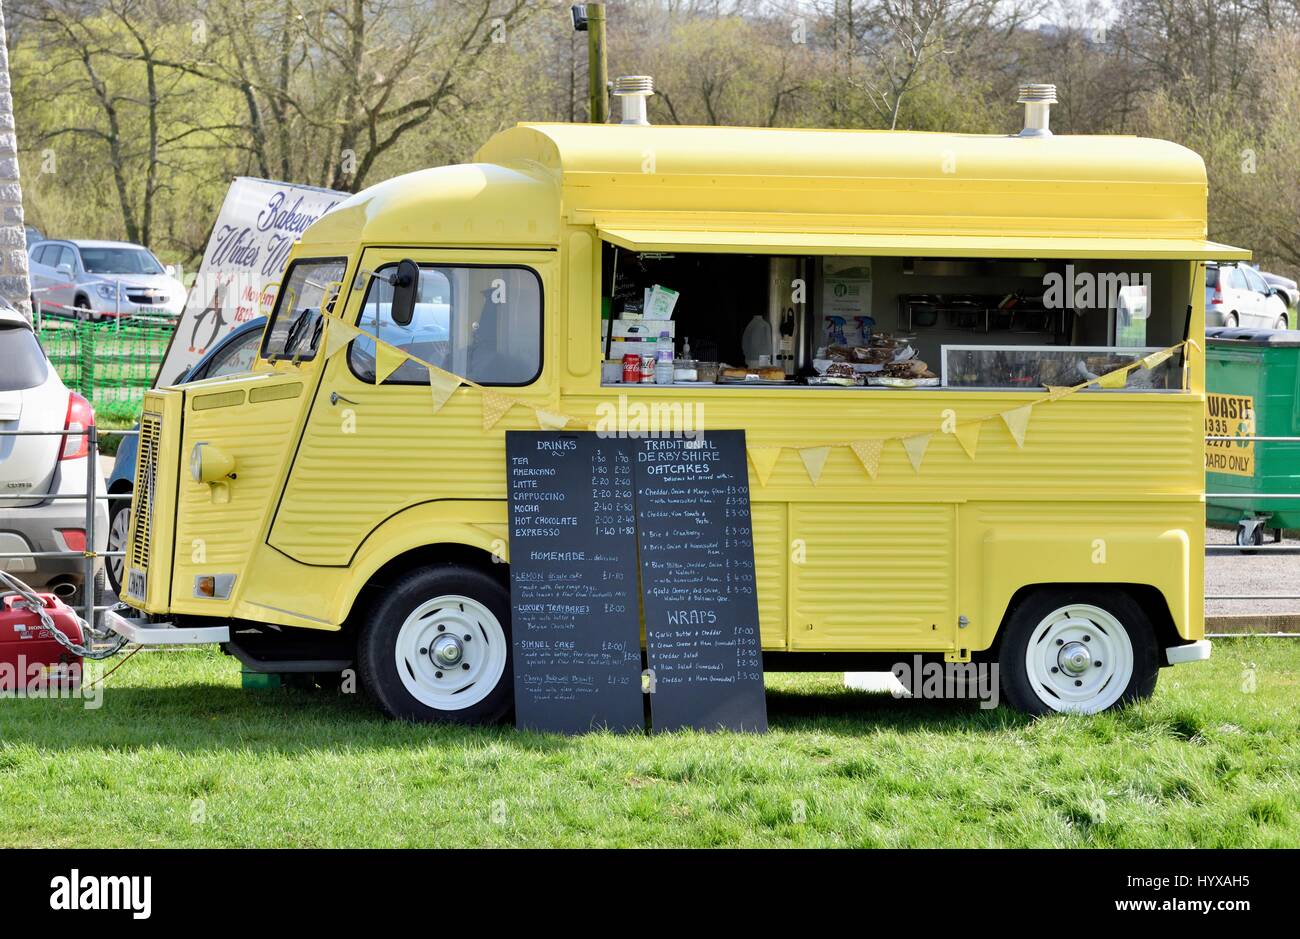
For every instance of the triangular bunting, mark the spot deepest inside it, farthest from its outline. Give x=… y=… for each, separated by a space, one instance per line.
x=441 y=384
x=764 y=460
x=915 y=447
x=1115 y=379
x=1155 y=358
x=968 y=435
x=388 y=359
x=1059 y=391
x=494 y=408
x=814 y=461
x=550 y=420
x=337 y=335
x=868 y=451
x=1017 y=421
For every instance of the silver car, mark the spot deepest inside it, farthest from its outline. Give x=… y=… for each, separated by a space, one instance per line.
x=98 y=279
x=1236 y=295
x=34 y=398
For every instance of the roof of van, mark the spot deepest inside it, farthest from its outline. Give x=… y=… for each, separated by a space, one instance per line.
x=668 y=179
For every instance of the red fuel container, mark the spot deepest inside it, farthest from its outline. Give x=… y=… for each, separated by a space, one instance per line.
x=28 y=651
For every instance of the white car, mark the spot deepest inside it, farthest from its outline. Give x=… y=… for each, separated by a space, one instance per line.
x=97 y=279
x=34 y=398
x=1236 y=295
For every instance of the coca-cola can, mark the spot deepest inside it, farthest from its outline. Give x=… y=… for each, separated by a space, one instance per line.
x=631 y=368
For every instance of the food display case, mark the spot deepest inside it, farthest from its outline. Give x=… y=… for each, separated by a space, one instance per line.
x=1032 y=367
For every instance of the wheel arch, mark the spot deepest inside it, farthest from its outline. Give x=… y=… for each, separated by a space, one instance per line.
x=1149 y=598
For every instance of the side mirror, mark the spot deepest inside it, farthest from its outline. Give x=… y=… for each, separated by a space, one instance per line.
x=65 y=270
x=406 y=285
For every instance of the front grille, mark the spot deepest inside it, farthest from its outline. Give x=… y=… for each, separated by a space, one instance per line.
x=145 y=299
x=146 y=470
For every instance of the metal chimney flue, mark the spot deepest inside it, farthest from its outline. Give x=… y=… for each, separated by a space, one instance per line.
x=1038 y=101
x=632 y=91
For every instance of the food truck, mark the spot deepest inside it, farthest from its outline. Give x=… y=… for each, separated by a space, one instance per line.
x=968 y=368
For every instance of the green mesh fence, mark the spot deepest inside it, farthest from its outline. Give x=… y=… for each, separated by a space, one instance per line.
x=111 y=363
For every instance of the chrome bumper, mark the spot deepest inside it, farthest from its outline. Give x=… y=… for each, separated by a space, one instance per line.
x=145 y=633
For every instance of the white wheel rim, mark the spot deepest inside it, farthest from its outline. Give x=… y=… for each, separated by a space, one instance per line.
x=117 y=542
x=1079 y=659
x=451 y=652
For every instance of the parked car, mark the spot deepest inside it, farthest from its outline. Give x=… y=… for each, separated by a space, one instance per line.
x=34 y=398
x=1236 y=295
x=233 y=354
x=1286 y=289
x=95 y=279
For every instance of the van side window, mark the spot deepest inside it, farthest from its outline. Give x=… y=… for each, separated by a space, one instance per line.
x=482 y=323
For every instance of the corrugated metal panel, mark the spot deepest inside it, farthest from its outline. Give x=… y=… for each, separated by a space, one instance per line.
x=874 y=576
x=771 y=558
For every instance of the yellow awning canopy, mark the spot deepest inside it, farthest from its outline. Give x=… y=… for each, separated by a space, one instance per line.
x=947 y=246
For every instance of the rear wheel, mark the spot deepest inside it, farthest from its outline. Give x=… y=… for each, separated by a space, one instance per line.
x=1230 y=321
x=1281 y=323
x=1078 y=651
x=118 y=527
x=436 y=647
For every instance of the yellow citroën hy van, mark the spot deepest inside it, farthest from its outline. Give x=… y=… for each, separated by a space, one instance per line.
x=908 y=286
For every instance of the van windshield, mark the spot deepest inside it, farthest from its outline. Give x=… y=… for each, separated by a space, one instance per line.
x=295 y=326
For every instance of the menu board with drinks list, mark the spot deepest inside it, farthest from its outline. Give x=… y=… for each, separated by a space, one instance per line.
x=575 y=615
x=587 y=514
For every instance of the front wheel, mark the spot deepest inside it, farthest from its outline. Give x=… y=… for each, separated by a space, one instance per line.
x=1230 y=321
x=436 y=647
x=1077 y=651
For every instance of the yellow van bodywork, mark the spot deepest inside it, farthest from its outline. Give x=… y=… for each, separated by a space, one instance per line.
x=337 y=478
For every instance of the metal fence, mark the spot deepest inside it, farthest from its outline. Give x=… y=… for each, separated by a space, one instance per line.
x=89 y=555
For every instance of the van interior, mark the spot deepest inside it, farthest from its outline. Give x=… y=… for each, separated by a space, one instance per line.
x=1002 y=323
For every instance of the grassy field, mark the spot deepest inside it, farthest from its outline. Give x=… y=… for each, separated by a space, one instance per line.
x=179 y=755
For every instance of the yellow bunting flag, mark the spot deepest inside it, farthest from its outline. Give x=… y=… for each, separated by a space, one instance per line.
x=868 y=451
x=550 y=420
x=915 y=447
x=337 y=335
x=764 y=460
x=388 y=359
x=968 y=435
x=1017 y=421
x=494 y=408
x=441 y=384
x=1155 y=358
x=814 y=461
x=1115 y=379
x=1055 y=392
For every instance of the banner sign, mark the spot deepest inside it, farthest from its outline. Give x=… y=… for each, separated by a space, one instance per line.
x=1230 y=416
x=247 y=251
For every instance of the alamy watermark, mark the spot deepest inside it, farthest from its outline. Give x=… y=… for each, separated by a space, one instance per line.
x=970 y=681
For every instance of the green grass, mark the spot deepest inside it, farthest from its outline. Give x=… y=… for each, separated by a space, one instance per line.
x=1205 y=763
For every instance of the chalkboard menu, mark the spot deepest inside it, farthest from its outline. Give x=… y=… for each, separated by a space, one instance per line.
x=573 y=583
x=699 y=591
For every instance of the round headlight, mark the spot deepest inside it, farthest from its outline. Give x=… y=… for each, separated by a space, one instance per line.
x=107 y=291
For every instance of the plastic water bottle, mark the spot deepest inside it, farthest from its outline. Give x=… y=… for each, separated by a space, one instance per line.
x=757 y=341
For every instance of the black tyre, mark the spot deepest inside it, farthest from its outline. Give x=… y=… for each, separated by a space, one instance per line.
x=435 y=646
x=119 y=526
x=1231 y=321
x=82 y=308
x=1079 y=650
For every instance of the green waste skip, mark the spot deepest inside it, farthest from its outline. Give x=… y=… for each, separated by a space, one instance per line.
x=1252 y=382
